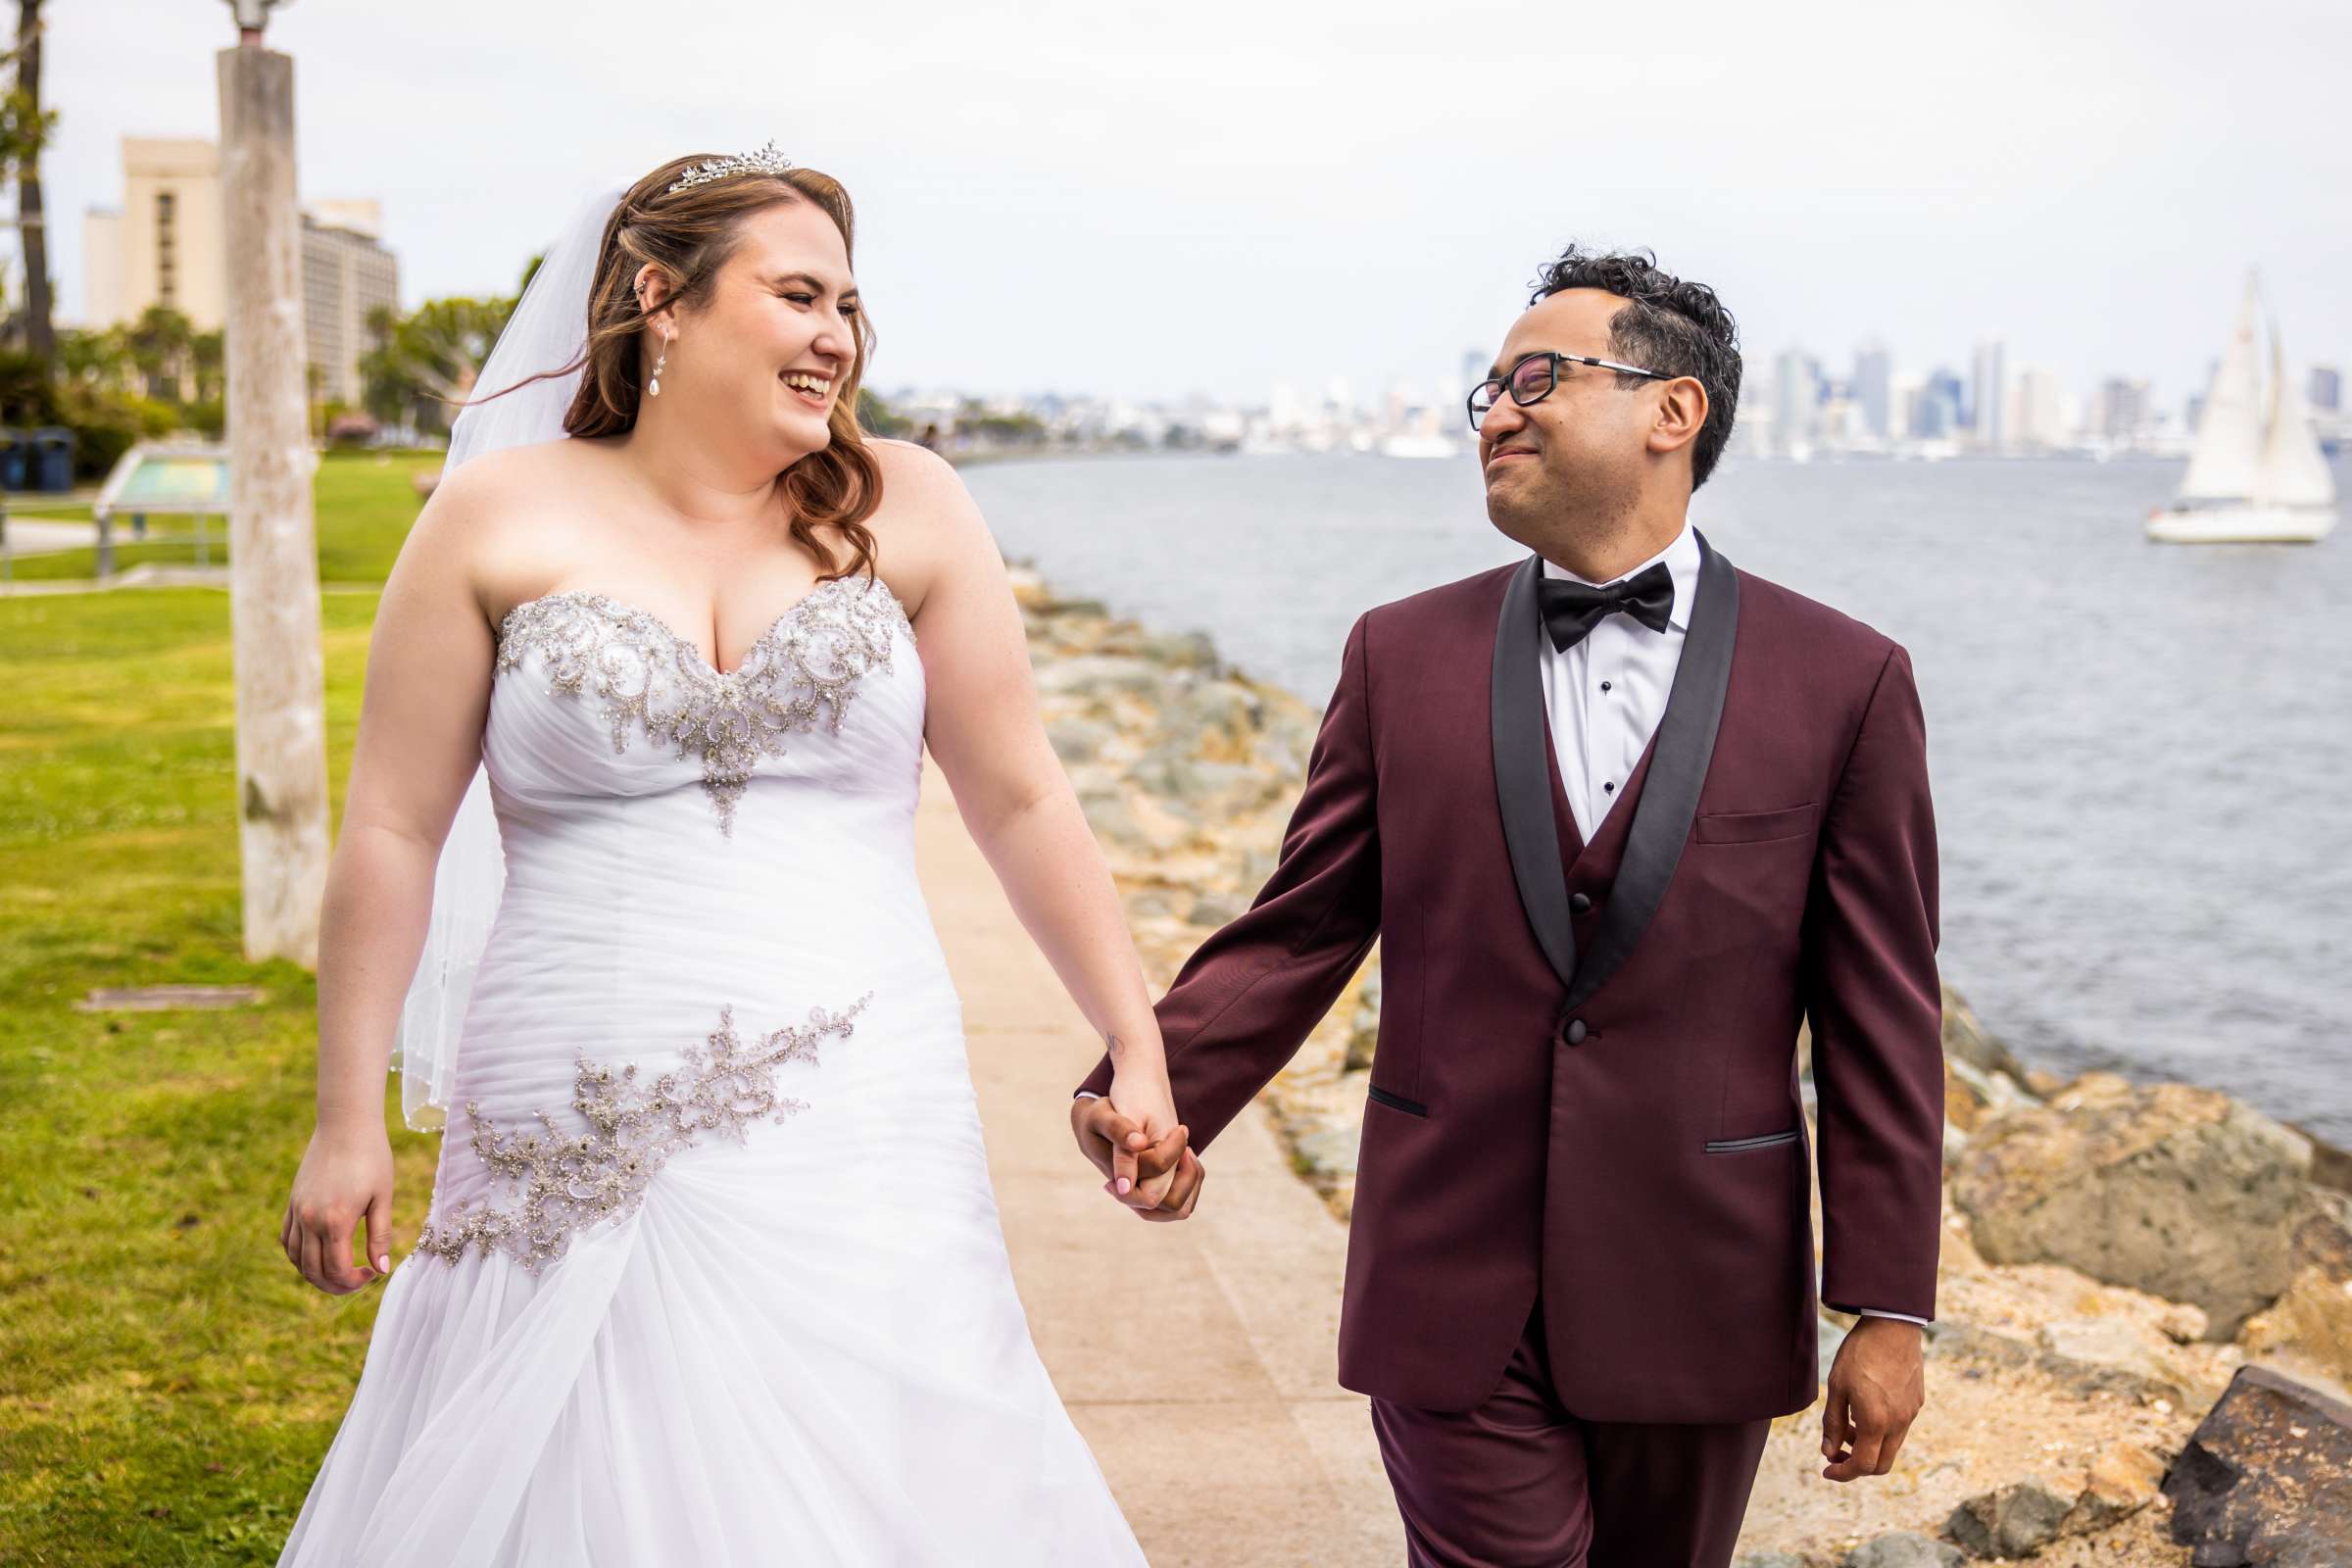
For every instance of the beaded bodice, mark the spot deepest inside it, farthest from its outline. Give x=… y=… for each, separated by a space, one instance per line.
x=651 y=683
x=588 y=1066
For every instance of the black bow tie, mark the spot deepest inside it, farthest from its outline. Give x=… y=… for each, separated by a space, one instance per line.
x=1573 y=609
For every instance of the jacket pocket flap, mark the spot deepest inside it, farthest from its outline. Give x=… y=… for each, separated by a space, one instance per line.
x=1752 y=827
x=1381 y=1097
x=1722 y=1146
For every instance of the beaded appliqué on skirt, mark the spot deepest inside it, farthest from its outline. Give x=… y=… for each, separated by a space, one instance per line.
x=801 y=674
x=571 y=1181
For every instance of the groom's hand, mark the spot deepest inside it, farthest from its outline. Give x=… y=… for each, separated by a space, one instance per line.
x=1876 y=1385
x=1162 y=1178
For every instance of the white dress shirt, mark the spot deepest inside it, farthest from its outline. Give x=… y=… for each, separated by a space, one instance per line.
x=1606 y=694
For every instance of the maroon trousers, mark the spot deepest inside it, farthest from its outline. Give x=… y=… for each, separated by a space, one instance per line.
x=1520 y=1481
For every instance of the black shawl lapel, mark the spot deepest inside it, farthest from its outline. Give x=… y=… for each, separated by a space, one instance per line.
x=1523 y=772
x=1669 y=800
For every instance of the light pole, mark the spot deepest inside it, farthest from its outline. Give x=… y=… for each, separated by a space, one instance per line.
x=274 y=553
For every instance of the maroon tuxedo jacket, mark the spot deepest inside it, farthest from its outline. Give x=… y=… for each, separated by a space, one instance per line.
x=1585 y=1090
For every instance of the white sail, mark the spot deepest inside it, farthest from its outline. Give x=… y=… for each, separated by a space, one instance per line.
x=2227 y=460
x=2294 y=470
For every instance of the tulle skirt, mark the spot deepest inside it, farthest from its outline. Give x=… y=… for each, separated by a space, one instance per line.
x=800 y=1348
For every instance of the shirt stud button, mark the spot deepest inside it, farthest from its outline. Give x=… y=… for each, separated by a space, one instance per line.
x=1579 y=904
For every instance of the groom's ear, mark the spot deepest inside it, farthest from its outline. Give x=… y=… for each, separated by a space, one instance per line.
x=1681 y=412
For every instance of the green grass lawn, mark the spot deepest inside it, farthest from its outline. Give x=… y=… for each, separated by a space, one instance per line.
x=168 y=1383
x=364 y=503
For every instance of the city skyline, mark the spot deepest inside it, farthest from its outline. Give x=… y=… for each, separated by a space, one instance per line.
x=1160 y=207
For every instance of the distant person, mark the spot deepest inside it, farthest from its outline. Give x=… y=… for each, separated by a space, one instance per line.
x=1622 y=817
x=714 y=1272
x=930 y=438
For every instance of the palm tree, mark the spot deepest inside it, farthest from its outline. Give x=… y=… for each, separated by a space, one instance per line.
x=23 y=129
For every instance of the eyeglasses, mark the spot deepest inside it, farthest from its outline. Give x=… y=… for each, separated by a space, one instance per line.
x=1532 y=379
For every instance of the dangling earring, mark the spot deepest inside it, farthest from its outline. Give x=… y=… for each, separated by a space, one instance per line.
x=652 y=384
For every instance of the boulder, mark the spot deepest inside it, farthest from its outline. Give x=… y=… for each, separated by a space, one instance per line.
x=1078 y=740
x=1029 y=589
x=1089 y=675
x=1191 y=650
x=2313 y=1317
x=2178 y=1191
x=1112 y=817
x=2182 y=1323
x=2017 y=1520
x=1966 y=1040
x=2322 y=1237
x=1897 y=1549
x=2111 y=1342
x=2266 y=1478
x=2124 y=1478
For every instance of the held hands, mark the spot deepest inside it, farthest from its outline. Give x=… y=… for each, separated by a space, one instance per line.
x=1876 y=1389
x=345 y=1176
x=1144 y=1158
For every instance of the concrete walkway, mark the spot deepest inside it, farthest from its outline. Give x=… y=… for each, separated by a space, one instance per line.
x=1198 y=1359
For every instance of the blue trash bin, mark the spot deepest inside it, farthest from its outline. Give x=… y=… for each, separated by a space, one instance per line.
x=51 y=468
x=13 y=444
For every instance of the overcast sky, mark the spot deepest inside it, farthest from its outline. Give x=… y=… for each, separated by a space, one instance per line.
x=1218 y=194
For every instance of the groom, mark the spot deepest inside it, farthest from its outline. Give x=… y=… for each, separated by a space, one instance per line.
x=1623 y=817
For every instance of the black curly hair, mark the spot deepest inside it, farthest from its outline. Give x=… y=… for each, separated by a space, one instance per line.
x=1667 y=325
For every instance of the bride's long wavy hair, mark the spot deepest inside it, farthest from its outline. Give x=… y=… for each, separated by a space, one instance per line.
x=688 y=235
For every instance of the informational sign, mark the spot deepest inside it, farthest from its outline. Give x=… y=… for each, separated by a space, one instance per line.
x=169 y=478
x=166 y=478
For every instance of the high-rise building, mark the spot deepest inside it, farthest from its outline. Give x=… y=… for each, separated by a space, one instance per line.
x=1943 y=403
x=1905 y=394
x=2123 y=411
x=1795 y=395
x=1988 y=396
x=1475 y=364
x=2327 y=388
x=346 y=274
x=1873 y=369
x=2042 y=412
x=166 y=245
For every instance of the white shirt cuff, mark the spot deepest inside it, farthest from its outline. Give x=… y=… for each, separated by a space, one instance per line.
x=1088 y=1094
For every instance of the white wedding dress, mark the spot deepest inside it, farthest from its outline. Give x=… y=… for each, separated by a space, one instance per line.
x=713 y=1273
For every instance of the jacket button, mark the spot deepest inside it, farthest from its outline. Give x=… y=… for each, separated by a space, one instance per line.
x=1573 y=1031
x=1577 y=904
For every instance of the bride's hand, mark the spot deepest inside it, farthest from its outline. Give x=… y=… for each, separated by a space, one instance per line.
x=345 y=1177
x=1146 y=1101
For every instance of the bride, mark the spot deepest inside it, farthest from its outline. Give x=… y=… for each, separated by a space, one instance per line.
x=712 y=1272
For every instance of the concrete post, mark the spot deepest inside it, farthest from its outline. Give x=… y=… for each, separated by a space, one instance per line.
x=273 y=555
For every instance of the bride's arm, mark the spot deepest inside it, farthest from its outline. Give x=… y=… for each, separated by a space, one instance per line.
x=419 y=738
x=982 y=725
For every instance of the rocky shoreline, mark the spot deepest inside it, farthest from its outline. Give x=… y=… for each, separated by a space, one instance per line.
x=2144 y=1305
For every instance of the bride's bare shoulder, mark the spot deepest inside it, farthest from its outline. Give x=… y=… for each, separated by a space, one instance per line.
x=515 y=481
x=925 y=503
x=913 y=474
x=501 y=510
x=928 y=524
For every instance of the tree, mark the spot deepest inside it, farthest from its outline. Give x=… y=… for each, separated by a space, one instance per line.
x=875 y=417
x=162 y=348
x=424 y=364
x=25 y=128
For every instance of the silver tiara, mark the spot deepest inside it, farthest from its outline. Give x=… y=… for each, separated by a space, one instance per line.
x=767 y=161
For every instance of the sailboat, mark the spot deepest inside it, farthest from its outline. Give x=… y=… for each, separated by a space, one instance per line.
x=2256 y=474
